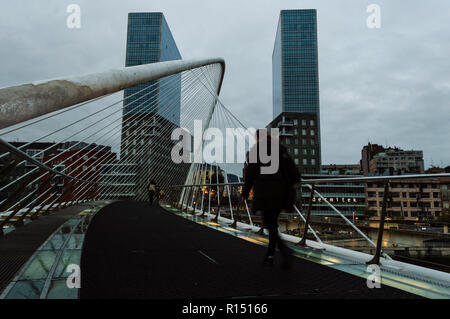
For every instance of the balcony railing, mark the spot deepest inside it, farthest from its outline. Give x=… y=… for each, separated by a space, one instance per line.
x=285 y=123
x=286 y=133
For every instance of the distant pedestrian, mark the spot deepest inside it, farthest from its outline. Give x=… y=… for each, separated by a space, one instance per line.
x=161 y=195
x=151 y=191
x=272 y=193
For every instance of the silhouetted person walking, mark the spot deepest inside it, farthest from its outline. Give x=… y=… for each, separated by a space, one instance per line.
x=151 y=191
x=272 y=192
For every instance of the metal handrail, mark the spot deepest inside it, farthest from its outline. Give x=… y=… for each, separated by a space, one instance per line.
x=345 y=179
x=348 y=221
x=310 y=184
x=374 y=178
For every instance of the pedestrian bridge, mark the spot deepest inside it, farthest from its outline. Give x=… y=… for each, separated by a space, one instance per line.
x=74 y=217
x=129 y=249
x=134 y=250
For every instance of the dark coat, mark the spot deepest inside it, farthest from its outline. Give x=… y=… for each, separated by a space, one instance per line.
x=272 y=191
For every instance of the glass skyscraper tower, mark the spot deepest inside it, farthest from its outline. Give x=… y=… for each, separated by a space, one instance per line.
x=151 y=110
x=149 y=40
x=296 y=84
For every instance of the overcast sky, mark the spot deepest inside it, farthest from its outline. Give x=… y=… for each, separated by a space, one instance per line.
x=387 y=86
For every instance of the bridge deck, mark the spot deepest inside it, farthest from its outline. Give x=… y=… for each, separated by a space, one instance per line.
x=16 y=247
x=132 y=250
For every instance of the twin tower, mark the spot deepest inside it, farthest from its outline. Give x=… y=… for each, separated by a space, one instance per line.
x=296 y=107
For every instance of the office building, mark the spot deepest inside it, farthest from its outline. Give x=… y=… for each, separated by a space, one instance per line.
x=298 y=132
x=367 y=153
x=78 y=159
x=149 y=40
x=414 y=200
x=296 y=85
x=347 y=197
x=377 y=160
x=342 y=169
x=120 y=180
x=151 y=110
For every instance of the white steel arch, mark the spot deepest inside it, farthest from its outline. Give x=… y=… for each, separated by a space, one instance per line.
x=24 y=102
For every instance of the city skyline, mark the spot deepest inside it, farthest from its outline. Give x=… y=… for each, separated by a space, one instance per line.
x=134 y=138
x=377 y=85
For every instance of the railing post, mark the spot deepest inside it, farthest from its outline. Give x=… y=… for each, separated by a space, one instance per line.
x=192 y=190
x=209 y=189
x=309 y=226
x=229 y=193
x=198 y=189
x=203 y=181
x=202 y=207
x=195 y=189
x=202 y=215
x=261 y=230
x=185 y=197
x=248 y=212
x=302 y=242
x=236 y=215
x=216 y=218
x=187 y=189
x=189 y=198
x=194 y=206
x=179 y=203
x=218 y=193
x=376 y=257
x=209 y=199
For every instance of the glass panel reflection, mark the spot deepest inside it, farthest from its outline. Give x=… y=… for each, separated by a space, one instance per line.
x=59 y=290
x=68 y=257
x=75 y=242
x=40 y=266
x=26 y=290
x=55 y=242
x=66 y=241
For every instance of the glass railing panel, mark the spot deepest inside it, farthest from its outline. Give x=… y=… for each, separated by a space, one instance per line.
x=40 y=266
x=68 y=257
x=59 y=290
x=26 y=290
x=55 y=242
